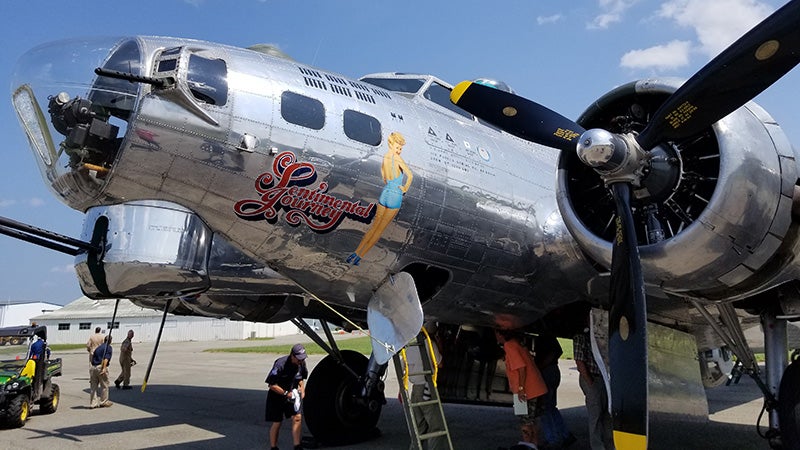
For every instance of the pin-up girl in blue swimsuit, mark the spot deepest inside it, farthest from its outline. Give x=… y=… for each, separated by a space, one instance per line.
x=393 y=168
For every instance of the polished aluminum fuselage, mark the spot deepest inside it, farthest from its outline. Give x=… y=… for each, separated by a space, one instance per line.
x=481 y=205
x=484 y=208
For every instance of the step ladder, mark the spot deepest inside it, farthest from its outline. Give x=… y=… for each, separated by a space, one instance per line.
x=413 y=410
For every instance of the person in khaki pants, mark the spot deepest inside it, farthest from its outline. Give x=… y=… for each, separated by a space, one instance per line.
x=94 y=341
x=125 y=361
x=98 y=375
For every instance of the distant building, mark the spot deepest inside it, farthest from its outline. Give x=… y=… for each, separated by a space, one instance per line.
x=73 y=323
x=20 y=313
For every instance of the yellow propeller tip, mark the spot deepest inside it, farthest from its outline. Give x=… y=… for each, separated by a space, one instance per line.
x=458 y=91
x=629 y=441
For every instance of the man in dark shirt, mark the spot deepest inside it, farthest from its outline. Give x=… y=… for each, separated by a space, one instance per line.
x=98 y=375
x=286 y=391
x=39 y=352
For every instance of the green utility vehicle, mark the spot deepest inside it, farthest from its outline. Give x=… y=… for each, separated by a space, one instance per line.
x=25 y=381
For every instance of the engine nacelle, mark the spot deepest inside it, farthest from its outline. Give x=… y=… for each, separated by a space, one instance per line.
x=711 y=212
x=154 y=250
x=149 y=249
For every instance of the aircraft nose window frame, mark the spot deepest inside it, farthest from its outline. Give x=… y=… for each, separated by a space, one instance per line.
x=94 y=127
x=116 y=95
x=206 y=78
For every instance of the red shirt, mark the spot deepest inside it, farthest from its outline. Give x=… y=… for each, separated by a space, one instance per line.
x=519 y=357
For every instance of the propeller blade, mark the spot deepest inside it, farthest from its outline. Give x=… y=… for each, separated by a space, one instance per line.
x=734 y=77
x=627 y=331
x=517 y=115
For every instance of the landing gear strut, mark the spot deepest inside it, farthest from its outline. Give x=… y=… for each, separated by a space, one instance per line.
x=781 y=388
x=338 y=408
x=775 y=353
x=344 y=395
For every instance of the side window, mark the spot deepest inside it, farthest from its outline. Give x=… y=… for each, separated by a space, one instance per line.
x=362 y=128
x=301 y=110
x=208 y=80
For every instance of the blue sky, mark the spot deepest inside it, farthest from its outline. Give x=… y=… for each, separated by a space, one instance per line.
x=561 y=54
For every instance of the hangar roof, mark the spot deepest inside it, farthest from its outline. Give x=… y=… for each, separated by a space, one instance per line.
x=86 y=308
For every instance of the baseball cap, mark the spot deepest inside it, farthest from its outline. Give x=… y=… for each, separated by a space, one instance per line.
x=299 y=352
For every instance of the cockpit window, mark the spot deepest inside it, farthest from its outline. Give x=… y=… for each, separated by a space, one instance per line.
x=208 y=80
x=441 y=96
x=409 y=85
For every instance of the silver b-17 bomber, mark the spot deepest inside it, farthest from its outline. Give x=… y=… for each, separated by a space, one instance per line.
x=239 y=183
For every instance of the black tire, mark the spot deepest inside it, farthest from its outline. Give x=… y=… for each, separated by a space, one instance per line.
x=19 y=408
x=49 y=405
x=789 y=406
x=330 y=412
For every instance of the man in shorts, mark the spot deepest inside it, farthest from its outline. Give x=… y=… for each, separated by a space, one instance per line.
x=285 y=394
x=525 y=381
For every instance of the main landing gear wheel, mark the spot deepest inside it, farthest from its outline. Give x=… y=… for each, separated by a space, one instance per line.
x=789 y=406
x=333 y=408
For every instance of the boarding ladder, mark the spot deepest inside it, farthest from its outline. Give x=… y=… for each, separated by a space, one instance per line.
x=412 y=410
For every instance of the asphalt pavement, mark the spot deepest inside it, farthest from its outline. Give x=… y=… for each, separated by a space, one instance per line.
x=202 y=400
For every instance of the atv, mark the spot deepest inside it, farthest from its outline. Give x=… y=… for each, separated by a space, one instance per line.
x=25 y=382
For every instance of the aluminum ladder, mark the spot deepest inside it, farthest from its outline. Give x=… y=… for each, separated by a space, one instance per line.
x=412 y=410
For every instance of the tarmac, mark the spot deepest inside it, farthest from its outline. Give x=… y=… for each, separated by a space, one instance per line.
x=203 y=400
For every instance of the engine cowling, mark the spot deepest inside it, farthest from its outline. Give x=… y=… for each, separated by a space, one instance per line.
x=712 y=210
x=155 y=250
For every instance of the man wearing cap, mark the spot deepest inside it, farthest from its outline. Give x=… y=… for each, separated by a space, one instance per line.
x=98 y=375
x=285 y=394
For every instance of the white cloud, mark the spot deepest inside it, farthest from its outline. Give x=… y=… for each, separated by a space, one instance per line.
x=673 y=55
x=33 y=202
x=68 y=268
x=541 y=20
x=613 y=10
x=717 y=23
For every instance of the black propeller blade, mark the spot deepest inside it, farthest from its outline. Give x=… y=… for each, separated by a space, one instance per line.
x=627 y=342
x=627 y=322
x=517 y=115
x=742 y=71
